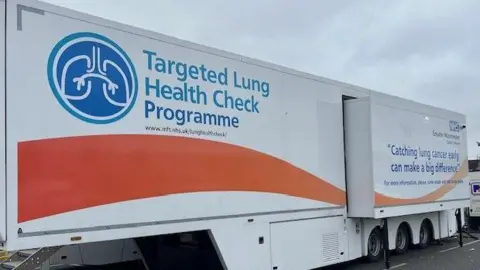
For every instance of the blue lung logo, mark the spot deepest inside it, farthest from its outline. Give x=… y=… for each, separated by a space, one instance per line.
x=92 y=78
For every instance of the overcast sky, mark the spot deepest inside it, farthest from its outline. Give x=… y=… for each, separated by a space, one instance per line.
x=426 y=50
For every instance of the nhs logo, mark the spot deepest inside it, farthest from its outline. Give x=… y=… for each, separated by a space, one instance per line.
x=475 y=188
x=454 y=126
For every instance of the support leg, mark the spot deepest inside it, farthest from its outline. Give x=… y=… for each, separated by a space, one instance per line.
x=459 y=226
x=460 y=229
x=386 y=251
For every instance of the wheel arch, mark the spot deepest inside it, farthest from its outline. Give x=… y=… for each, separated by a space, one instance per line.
x=430 y=226
x=409 y=231
x=431 y=229
x=368 y=234
x=406 y=242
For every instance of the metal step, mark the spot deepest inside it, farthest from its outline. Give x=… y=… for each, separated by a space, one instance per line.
x=29 y=259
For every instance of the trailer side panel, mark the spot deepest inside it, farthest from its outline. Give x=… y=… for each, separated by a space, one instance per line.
x=417 y=153
x=3 y=183
x=117 y=129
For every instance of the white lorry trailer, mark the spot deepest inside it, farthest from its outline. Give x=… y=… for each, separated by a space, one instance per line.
x=474 y=176
x=121 y=145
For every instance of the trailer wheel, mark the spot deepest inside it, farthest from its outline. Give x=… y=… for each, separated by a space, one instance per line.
x=402 y=239
x=425 y=235
x=374 y=245
x=473 y=223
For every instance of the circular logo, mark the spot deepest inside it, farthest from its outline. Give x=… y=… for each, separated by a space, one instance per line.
x=92 y=78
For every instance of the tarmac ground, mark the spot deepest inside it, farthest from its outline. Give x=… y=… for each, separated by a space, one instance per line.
x=445 y=256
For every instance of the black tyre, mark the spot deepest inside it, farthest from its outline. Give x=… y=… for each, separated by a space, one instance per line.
x=402 y=240
x=375 y=245
x=425 y=235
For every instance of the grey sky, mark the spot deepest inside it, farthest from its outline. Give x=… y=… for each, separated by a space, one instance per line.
x=426 y=50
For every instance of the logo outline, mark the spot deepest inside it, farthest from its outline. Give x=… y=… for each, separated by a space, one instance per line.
x=56 y=52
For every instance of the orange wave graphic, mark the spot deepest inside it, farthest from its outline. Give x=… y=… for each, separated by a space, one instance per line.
x=383 y=200
x=66 y=174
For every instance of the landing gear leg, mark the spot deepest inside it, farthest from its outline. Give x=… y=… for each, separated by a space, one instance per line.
x=459 y=227
x=461 y=231
x=386 y=251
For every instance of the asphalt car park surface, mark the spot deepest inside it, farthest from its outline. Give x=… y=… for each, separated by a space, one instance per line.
x=447 y=256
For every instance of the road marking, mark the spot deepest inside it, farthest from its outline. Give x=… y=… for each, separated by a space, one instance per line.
x=397 y=266
x=453 y=248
